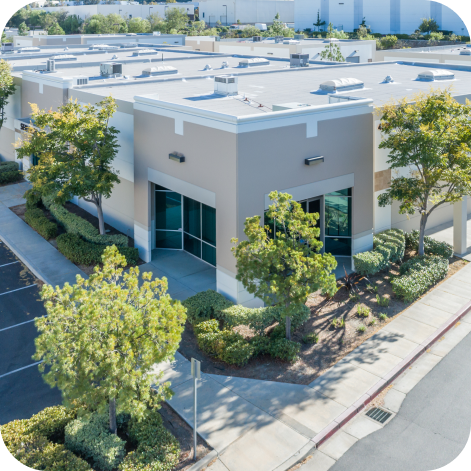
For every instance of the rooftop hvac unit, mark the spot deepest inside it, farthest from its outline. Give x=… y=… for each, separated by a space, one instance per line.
x=257 y=39
x=80 y=80
x=342 y=84
x=253 y=62
x=50 y=65
x=225 y=85
x=299 y=60
x=160 y=70
x=436 y=74
x=7 y=47
x=279 y=39
x=111 y=69
x=465 y=52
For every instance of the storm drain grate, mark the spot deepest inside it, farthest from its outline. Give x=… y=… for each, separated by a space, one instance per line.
x=378 y=414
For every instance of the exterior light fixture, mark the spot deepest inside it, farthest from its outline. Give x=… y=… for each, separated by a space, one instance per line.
x=177 y=157
x=314 y=160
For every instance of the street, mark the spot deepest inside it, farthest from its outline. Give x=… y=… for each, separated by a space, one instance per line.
x=22 y=389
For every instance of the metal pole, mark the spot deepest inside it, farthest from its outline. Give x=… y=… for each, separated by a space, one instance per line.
x=195 y=386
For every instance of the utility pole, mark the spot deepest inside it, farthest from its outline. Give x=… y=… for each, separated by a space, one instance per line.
x=196 y=373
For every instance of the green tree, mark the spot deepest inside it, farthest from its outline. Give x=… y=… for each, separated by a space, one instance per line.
x=19 y=17
x=176 y=18
x=7 y=88
x=55 y=29
x=319 y=23
x=431 y=137
x=101 y=24
x=435 y=37
x=386 y=42
x=91 y=2
x=157 y=23
x=4 y=37
x=138 y=25
x=72 y=24
x=77 y=146
x=23 y=29
x=332 y=51
x=428 y=25
x=250 y=31
x=103 y=336
x=285 y=269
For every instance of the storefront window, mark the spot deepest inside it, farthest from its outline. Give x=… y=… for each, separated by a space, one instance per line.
x=338 y=222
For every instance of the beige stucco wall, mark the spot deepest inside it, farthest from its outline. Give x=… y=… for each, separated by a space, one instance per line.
x=200 y=45
x=407 y=55
x=50 y=98
x=210 y=163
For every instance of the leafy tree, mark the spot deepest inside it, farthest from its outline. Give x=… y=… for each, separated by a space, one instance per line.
x=332 y=51
x=138 y=25
x=250 y=31
x=77 y=146
x=91 y=2
x=171 y=1
x=4 y=37
x=428 y=25
x=72 y=24
x=176 y=18
x=23 y=29
x=362 y=33
x=55 y=29
x=319 y=23
x=7 y=88
x=435 y=37
x=19 y=17
x=432 y=139
x=386 y=42
x=285 y=269
x=278 y=28
x=102 y=337
x=101 y=24
x=157 y=23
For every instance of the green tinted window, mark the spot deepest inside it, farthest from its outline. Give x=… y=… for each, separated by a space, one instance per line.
x=192 y=217
x=338 y=211
x=209 y=224
x=209 y=254
x=168 y=210
x=192 y=245
x=168 y=240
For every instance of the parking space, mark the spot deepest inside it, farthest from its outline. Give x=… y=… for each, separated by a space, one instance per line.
x=23 y=392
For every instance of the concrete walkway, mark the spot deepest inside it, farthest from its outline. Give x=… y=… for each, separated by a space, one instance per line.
x=46 y=262
x=265 y=426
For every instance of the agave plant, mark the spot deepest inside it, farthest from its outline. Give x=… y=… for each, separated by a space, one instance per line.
x=350 y=281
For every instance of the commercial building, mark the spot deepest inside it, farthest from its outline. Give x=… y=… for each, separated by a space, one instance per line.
x=352 y=50
x=384 y=16
x=205 y=138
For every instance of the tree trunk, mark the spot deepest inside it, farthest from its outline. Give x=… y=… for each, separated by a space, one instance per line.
x=423 y=222
x=113 y=426
x=101 y=221
x=288 y=327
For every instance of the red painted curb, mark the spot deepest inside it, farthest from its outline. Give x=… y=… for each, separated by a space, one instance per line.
x=388 y=378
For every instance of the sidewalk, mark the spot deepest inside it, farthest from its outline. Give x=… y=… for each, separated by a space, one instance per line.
x=47 y=263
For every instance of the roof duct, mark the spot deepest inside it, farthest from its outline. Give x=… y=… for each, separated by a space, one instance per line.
x=342 y=84
x=226 y=85
x=145 y=52
x=160 y=70
x=253 y=62
x=64 y=57
x=432 y=75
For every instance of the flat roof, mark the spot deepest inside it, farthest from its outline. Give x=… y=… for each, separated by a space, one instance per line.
x=454 y=50
x=289 y=86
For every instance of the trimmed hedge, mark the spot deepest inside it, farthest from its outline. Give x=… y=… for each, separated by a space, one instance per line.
x=10 y=172
x=260 y=318
x=418 y=275
x=74 y=224
x=33 y=198
x=431 y=246
x=29 y=441
x=40 y=223
x=90 y=438
x=205 y=305
x=83 y=252
x=389 y=247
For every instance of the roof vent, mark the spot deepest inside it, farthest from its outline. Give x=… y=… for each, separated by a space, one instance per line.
x=50 y=65
x=465 y=52
x=253 y=62
x=225 y=65
x=145 y=52
x=64 y=57
x=80 y=80
x=111 y=69
x=225 y=85
x=207 y=67
x=66 y=48
x=436 y=74
x=160 y=70
x=388 y=79
x=299 y=60
x=342 y=84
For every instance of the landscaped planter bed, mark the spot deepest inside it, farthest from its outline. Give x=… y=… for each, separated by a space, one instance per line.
x=333 y=343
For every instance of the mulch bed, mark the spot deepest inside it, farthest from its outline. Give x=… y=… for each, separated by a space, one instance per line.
x=333 y=344
x=73 y=208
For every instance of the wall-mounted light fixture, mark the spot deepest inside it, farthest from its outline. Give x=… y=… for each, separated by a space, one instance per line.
x=177 y=157
x=314 y=160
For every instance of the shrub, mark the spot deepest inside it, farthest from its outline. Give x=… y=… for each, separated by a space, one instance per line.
x=382 y=316
x=338 y=323
x=237 y=353
x=261 y=345
x=29 y=441
x=82 y=252
x=205 y=305
x=363 y=311
x=372 y=322
x=74 y=224
x=157 y=449
x=40 y=223
x=382 y=301
x=418 y=275
x=311 y=338
x=33 y=198
x=431 y=246
x=9 y=166
x=279 y=332
x=260 y=318
x=361 y=328
x=284 y=349
x=9 y=172
x=206 y=327
x=91 y=439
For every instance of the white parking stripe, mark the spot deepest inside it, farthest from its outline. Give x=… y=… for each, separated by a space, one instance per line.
x=6 y=264
x=19 y=369
x=21 y=323
x=13 y=290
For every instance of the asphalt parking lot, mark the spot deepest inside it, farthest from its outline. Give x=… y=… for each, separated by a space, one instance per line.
x=23 y=392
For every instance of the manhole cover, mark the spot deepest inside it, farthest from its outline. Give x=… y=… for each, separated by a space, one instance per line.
x=378 y=414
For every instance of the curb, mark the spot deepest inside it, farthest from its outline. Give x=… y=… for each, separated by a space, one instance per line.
x=203 y=462
x=388 y=378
